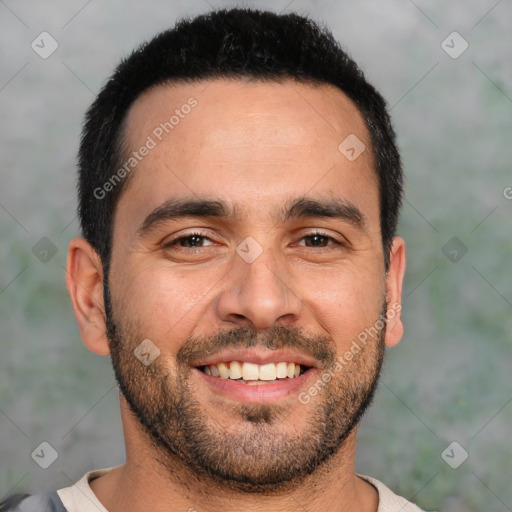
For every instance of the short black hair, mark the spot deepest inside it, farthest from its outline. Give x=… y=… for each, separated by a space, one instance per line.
x=226 y=44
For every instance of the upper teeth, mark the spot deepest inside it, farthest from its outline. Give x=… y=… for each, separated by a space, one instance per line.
x=251 y=371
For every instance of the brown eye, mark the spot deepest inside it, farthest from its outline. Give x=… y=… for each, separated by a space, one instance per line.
x=192 y=241
x=319 y=240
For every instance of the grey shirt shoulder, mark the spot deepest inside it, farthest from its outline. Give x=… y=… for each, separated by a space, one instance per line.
x=41 y=502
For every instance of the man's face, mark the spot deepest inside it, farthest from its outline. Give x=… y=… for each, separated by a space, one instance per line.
x=249 y=280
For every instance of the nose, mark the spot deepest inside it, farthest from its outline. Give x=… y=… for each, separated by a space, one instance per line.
x=258 y=295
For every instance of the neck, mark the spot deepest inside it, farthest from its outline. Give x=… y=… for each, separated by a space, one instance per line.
x=143 y=483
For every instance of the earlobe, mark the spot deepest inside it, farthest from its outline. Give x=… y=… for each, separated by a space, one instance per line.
x=394 y=282
x=84 y=281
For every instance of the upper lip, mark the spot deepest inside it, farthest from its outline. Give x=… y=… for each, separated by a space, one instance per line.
x=257 y=356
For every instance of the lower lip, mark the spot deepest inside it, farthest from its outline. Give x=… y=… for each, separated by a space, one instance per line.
x=275 y=390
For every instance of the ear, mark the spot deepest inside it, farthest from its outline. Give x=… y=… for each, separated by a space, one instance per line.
x=394 y=281
x=84 y=280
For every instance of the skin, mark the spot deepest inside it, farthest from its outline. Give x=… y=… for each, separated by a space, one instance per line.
x=256 y=146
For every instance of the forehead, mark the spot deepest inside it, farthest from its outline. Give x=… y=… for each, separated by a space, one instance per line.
x=260 y=108
x=247 y=141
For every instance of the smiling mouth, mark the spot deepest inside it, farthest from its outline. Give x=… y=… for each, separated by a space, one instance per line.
x=251 y=373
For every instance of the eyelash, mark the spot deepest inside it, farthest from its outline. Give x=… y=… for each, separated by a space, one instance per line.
x=172 y=242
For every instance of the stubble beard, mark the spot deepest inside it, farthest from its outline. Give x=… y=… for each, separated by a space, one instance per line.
x=257 y=457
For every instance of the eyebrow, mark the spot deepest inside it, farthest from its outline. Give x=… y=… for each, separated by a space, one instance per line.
x=299 y=208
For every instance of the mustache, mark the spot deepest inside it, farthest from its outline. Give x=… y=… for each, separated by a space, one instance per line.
x=276 y=337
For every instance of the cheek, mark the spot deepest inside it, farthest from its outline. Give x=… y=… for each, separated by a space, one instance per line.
x=163 y=303
x=344 y=302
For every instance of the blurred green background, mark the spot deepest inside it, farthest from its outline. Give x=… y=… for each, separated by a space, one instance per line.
x=447 y=381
